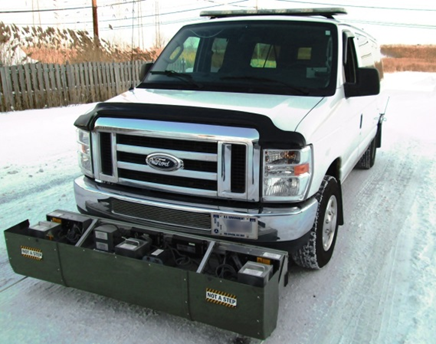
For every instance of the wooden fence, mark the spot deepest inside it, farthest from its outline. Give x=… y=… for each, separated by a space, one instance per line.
x=36 y=86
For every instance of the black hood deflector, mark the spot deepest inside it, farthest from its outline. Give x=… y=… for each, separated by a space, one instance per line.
x=270 y=135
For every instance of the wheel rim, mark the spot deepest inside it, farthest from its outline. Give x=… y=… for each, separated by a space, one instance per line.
x=329 y=225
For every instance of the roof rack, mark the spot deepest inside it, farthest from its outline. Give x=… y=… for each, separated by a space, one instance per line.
x=327 y=12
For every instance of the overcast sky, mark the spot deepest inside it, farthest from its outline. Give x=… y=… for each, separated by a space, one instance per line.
x=390 y=21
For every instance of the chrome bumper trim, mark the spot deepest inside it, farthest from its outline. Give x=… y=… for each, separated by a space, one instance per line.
x=275 y=224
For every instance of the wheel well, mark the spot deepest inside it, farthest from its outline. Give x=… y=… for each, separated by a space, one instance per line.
x=334 y=171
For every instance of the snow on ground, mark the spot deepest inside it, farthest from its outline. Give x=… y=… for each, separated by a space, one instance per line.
x=380 y=286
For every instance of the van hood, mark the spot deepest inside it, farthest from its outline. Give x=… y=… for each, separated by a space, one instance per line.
x=285 y=111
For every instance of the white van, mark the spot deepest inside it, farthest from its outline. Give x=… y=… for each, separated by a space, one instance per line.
x=245 y=128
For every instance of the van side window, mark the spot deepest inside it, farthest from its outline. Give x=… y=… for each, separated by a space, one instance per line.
x=350 y=61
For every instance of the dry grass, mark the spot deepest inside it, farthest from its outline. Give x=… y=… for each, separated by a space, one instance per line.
x=18 y=45
x=87 y=53
x=414 y=58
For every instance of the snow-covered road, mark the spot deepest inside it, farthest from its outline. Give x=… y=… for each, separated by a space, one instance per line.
x=380 y=286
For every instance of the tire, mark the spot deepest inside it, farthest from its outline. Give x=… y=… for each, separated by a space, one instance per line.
x=368 y=159
x=318 y=250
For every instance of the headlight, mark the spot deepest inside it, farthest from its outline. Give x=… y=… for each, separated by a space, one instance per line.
x=84 y=152
x=286 y=174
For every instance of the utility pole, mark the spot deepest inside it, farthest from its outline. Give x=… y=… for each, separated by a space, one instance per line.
x=95 y=22
x=158 y=38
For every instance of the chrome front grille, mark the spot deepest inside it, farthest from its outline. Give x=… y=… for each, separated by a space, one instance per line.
x=169 y=216
x=217 y=161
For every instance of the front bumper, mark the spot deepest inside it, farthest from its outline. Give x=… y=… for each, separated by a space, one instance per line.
x=273 y=225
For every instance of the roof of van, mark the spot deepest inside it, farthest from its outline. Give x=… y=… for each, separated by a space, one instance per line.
x=324 y=14
x=327 y=12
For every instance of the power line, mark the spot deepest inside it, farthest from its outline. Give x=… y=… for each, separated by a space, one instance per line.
x=137 y=17
x=368 y=22
x=405 y=25
x=138 y=26
x=46 y=10
x=362 y=6
x=192 y=19
x=208 y=7
x=67 y=8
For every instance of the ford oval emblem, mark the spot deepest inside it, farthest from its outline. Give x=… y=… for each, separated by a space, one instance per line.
x=164 y=162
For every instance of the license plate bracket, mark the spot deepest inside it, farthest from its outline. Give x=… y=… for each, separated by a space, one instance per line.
x=245 y=227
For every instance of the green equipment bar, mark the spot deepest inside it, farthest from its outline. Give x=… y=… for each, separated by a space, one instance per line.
x=241 y=297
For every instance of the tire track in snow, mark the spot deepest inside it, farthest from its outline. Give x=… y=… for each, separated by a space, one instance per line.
x=388 y=316
x=9 y=285
x=38 y=188
x=348 y=298
x=370 y=242
x=424 y=259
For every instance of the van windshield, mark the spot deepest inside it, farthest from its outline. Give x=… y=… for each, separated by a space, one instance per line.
x=262 y=56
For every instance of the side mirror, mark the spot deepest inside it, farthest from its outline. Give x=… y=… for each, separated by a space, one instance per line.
x=368 y=84
x=144 y=70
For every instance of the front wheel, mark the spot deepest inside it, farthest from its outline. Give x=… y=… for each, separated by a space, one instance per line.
x=318 y=250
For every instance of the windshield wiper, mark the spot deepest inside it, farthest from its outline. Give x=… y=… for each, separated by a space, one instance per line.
x=181 y=76
x=299 y=90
